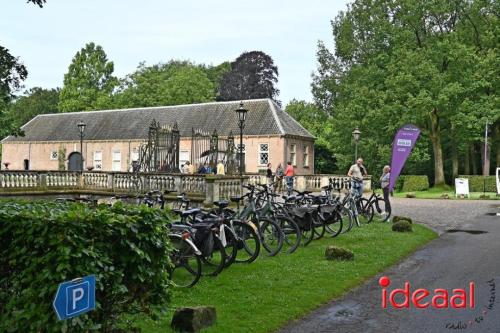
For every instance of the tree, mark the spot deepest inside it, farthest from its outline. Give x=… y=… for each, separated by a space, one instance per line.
x=405 y=61
x=173 y=83
x=89 y=83
x=40 y=3
x=12 y=73
x=36 y=101
x=252 y=75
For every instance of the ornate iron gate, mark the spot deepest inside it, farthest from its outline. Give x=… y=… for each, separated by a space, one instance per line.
x=207 y=149
x=161 y=152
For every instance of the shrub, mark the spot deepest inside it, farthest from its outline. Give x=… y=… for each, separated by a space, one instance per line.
x=334 y=252
x=410 y=195
x=476 y=183
x=402 y=226
x=413 y=183
x=46 y=243
x=401 y=218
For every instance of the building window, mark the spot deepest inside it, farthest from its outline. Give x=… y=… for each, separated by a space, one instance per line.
x=54 y=155
x=306 y=156
x=98 y=160
x=117 y=161
x=293 y=154
x=263 y=153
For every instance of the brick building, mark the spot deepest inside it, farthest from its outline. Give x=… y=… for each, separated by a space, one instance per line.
x=112 y=137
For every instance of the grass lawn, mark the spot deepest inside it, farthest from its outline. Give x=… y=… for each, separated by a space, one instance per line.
x=264 y=295
x=436 y=193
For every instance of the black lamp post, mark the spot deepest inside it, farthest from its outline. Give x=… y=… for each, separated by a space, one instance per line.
x=242 y=114
x=81 y=128
x=356 y=134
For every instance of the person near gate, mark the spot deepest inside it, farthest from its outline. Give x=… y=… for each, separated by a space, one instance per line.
x=384 y=183
x=356 y=172
x=279 y=174
x=289 y=178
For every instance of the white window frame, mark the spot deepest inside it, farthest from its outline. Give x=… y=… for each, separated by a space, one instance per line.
x=306 y=156
x=262 y=152
x=116 y=163
x=97 y=160
x=52 y=152
x=293 y=154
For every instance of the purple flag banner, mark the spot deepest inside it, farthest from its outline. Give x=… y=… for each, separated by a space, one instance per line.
x=403 y=143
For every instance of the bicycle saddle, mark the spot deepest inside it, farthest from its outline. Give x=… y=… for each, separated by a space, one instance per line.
x=221 y=203
x=189 y=212
x=236 y=199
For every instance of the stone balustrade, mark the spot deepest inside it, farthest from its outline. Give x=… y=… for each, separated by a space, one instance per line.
x=209 y=187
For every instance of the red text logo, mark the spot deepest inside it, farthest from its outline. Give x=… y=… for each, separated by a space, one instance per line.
x=422 y=298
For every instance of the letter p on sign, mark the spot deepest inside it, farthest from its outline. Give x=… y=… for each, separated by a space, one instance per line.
x=75 y=297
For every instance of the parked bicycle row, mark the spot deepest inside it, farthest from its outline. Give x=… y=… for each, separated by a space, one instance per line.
x=261 y=222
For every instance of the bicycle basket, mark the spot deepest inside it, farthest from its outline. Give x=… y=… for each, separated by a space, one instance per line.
x=328 y=213
x=204 y=238
x=303 y=217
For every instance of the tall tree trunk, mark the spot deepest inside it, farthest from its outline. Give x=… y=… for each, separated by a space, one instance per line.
x=467 y=161
x=497 y=128
x=473 y=158
x=454 y=159
x=435 y=135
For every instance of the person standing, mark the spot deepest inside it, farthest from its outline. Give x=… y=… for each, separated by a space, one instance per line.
x=185 y=167
x=356 y=172
x=289 y=178
x=278 y=185
x=220 y=169
x=269 y=174
x=384 y=183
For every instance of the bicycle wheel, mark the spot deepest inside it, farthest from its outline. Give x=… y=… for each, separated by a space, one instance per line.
x=380 y=210
x=213 y=264
x=291 y=233
x=186 y=264
x=318 y=226
x=248 y=242
x=365 y=211
x=307 y=233
x=231 y=247
x=333 y=223
x=347 y=217
x=271 y=236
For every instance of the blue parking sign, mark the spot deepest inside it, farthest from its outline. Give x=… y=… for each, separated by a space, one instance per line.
x=75 y=297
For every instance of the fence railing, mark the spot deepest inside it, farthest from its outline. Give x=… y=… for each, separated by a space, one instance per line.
x=211 y=187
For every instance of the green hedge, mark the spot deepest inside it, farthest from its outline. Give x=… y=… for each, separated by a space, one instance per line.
x=412 y=183
x=476 y=183
x=45 y=243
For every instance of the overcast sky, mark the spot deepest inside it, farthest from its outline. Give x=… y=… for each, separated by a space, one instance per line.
x=155 y=31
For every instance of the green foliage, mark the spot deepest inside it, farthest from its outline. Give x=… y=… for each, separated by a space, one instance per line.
x=477 y=183
x=252 y=75
x=401 y=218
x=393 y=65
x=316 y=121
x=338 y=253
x=36 y=101
x=402 y=226
x=173 y=83
x=411 y=183
x=45 y=243
x=12 y=73
x=89 y=82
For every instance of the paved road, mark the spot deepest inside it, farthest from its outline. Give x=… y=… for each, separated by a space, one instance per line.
x=451 y=261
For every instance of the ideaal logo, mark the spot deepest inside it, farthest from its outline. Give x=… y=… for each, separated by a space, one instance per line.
x=422 y=298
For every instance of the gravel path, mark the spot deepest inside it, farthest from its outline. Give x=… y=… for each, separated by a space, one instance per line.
x=442 y=215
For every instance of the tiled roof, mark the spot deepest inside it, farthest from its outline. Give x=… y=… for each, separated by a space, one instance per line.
x=264 y=118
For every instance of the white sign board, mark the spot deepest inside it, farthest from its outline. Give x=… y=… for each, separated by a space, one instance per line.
x=461 y=187
x=498 y=180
